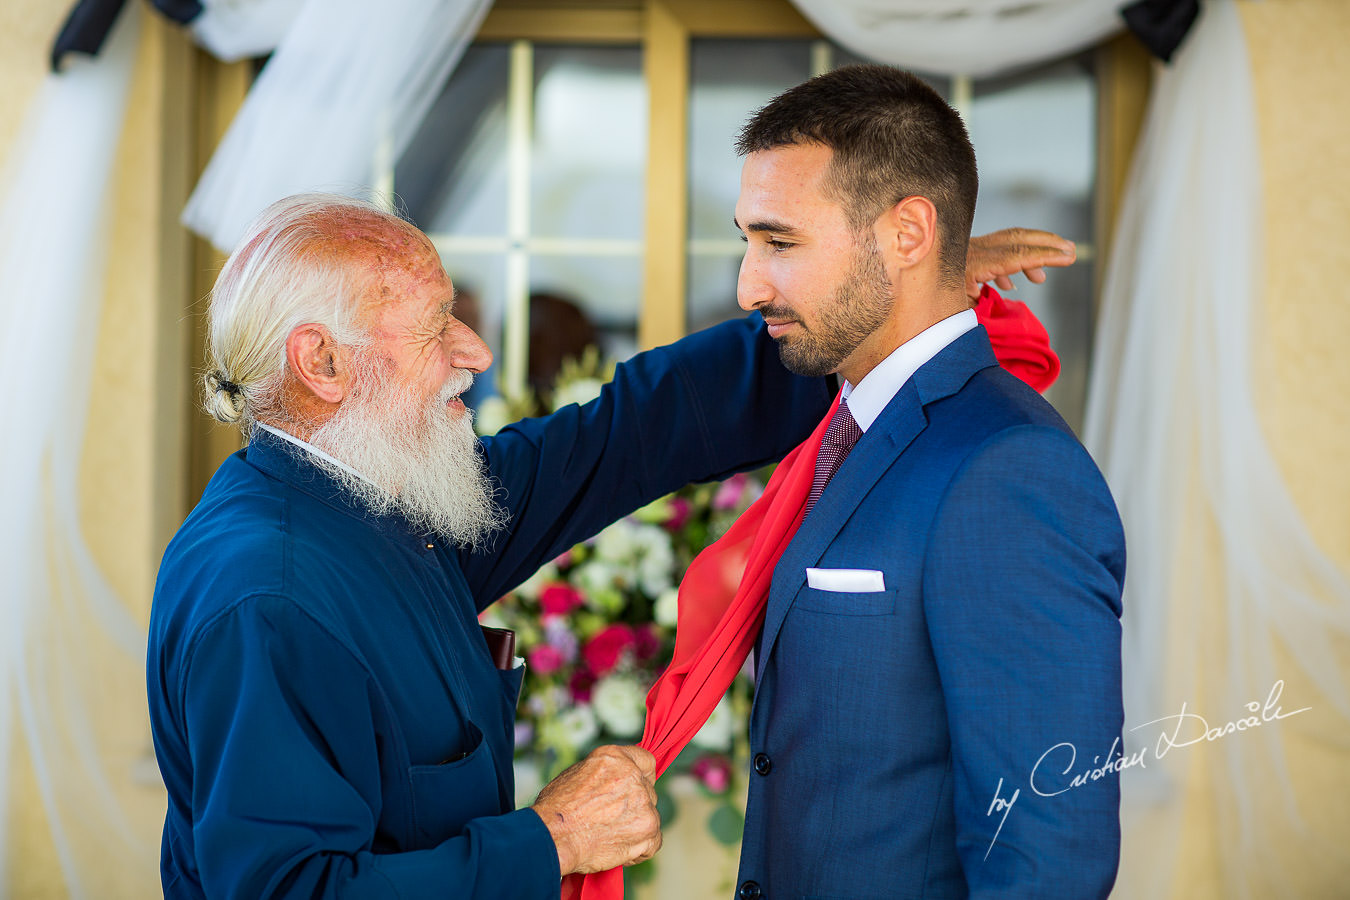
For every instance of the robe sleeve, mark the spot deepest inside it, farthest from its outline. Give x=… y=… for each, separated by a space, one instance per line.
x=280 y=718
x=712 y=404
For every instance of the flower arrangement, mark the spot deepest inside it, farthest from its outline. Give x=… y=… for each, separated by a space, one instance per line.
x=597 y=626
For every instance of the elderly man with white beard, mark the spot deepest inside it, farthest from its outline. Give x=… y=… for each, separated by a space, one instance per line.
x=327 y=714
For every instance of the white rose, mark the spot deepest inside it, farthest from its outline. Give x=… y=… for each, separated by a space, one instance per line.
x=531 y=587
x=617 y=544
x=578 y=725
x=529 y=782
x=620 y=705
x=667 y=608
x=716 y=732
x=580 y=391
x=656 y=560
x=593 y=577
x=493 y=414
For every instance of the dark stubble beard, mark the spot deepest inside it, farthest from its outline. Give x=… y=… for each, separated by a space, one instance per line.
x=418 y=458
x=859 y=307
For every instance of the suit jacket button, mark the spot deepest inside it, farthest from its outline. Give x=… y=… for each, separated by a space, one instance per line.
x=763 y=765
x=750 y=891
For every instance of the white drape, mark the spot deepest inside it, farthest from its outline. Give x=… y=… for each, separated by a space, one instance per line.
x=1173 y=422
x=59 y=620
x=239 y=29
x=347 y=75
x=970 y=37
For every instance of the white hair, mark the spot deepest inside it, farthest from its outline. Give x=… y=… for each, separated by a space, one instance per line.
x=288 y=270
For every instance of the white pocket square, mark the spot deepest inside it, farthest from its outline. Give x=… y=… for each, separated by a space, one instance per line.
x=849 y=581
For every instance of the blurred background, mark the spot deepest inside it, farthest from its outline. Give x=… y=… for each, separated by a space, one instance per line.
x=572 y=162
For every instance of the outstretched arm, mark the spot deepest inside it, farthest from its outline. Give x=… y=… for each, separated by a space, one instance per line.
x=999 y=255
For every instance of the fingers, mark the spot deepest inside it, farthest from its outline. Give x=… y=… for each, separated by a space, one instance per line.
x=998 y=256
x=642 y=758
x=601 y=811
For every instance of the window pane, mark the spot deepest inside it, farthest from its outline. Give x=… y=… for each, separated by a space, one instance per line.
x=729 y=80
x=1035 y=139
x=590 y=143
x=605 y=288
x=453 y=175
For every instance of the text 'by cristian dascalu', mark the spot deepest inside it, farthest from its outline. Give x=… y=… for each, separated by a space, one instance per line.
x=1185 y=729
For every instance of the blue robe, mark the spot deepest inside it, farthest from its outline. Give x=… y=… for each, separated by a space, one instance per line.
x=325 y=713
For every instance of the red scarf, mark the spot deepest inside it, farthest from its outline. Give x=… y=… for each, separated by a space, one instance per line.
x=724 y=592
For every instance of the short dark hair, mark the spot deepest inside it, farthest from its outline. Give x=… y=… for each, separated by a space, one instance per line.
x=893 y=137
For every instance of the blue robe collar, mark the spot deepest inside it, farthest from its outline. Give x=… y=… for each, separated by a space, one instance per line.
x=294 y=466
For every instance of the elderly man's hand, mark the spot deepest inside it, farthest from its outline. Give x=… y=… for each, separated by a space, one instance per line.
x=998 y=256
x=602 y=810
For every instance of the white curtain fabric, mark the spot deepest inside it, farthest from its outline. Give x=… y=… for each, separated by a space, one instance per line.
x=968 y=37
x=349 y=78
x=232 y=30
x=64 y=635
x=1173 y=423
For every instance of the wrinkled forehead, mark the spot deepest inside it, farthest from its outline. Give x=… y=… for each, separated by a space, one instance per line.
x=391 y=258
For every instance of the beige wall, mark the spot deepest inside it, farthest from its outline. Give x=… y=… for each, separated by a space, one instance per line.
x=133 y=466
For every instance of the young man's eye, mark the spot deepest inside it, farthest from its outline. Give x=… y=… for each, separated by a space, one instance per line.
x=779 y=246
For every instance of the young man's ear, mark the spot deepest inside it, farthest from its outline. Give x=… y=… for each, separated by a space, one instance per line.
x=910 y=228
x=317 y=362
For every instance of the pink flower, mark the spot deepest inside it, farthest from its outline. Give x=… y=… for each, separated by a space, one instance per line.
x=580 y=684
x=559 y=599
x=546 y=659
x=646 y=642
x=602 y=652
x=714 y=773
x=730 y=492
x=680 y=509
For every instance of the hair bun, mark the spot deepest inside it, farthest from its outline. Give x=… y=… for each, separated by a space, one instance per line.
x=224 y=398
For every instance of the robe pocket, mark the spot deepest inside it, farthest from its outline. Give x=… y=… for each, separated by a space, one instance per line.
x=846 y=603
x=445 y=797
x=511 y=682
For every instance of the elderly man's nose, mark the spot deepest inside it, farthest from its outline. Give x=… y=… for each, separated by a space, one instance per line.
x=467 y=350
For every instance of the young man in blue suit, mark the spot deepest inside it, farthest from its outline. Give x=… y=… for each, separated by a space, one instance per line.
x=938 y=689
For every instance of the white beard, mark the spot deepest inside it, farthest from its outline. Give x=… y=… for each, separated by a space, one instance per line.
x=421 y=459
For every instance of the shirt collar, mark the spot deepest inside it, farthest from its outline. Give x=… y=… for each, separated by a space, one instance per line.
x=870 y=396
x=307 y=446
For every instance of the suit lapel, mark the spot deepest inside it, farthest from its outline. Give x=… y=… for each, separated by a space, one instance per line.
x=895 y=429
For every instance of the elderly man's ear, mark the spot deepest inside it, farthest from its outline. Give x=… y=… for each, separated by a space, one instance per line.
x=318 y=362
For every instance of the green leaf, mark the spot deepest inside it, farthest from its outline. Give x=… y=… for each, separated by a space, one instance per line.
x=666 y=807
x=642 y=873
x=726 y=824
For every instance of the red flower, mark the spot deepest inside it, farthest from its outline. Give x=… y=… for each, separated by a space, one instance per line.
x=730 y=492
x=546 y=659
x=714 y=773
x=559 y=599
x=646 y=642
x=680 y=509
x=580 y=684
x=602 y=652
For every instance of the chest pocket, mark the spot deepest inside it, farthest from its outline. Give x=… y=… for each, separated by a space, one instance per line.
x=847 y=603
x=446 y=796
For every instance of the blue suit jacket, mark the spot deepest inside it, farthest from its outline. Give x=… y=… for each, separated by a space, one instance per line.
x=884 y=721
x=325 y=713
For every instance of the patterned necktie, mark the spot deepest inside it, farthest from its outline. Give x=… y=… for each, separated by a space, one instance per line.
x=839 y=438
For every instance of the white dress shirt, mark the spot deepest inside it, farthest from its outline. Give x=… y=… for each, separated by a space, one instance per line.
x=869 y=397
